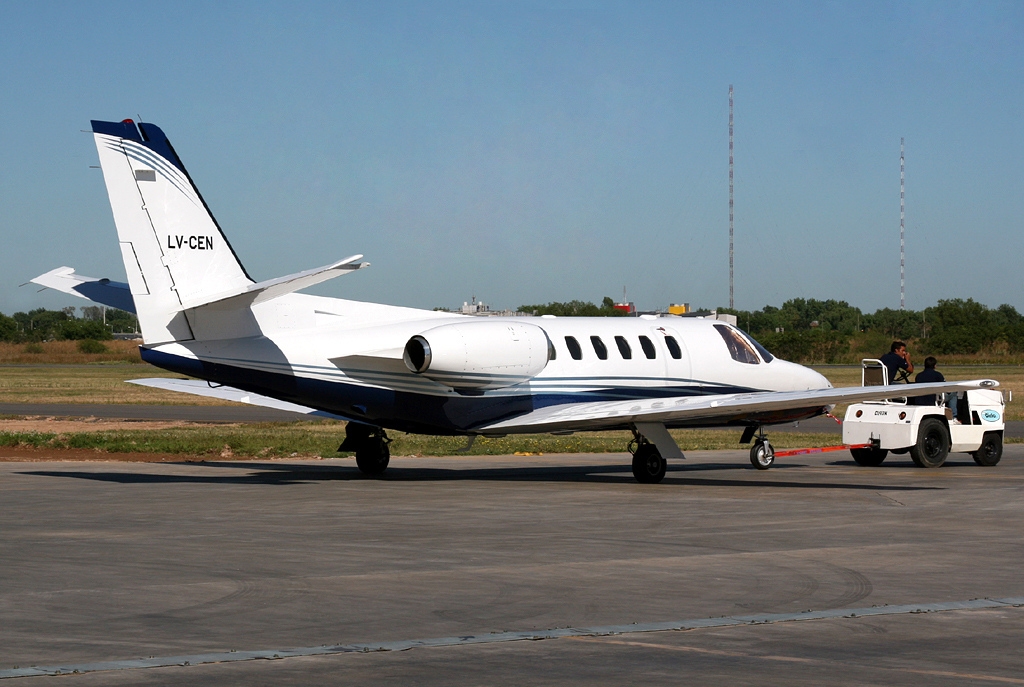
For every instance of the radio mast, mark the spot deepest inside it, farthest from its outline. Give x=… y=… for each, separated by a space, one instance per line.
x=902 y=261
x=732 y=302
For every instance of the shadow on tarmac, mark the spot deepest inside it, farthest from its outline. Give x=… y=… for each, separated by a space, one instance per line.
x=905 y=464
x=277 y=474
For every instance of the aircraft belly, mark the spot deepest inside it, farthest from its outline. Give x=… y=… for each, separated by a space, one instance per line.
x=404 y=410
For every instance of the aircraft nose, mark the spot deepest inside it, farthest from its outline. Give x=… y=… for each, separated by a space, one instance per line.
x=804 y=378
x=816 y=380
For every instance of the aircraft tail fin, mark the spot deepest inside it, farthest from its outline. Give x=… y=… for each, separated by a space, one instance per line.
x=174 y=251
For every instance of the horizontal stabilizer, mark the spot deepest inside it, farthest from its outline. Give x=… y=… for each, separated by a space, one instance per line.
x=103 y=291
x=198 y=387
x=273 y=288
x=599 y=414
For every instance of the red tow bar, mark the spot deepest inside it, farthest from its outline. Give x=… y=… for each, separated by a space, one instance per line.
x=823 y=449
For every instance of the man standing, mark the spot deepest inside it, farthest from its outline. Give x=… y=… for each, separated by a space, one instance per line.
x=929 y=374
x=897 y=359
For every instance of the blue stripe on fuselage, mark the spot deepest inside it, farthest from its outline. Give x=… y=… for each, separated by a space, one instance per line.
x=401 y=410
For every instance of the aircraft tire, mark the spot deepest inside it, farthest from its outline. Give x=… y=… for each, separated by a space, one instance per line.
x=991 y=449
x=372 y=458
x=869 y=457
x=762 y=455
x=648 y=465
x=932 y=447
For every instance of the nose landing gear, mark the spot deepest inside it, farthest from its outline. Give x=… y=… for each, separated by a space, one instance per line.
x=762 y=453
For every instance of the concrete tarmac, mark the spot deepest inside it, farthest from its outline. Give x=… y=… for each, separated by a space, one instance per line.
x=107 y=561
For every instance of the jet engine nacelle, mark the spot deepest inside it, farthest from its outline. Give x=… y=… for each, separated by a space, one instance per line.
x=479 y=355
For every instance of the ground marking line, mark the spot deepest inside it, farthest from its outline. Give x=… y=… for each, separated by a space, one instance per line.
x=794 y=659
x=696 y=650
x=494 y=638
x=965 y=676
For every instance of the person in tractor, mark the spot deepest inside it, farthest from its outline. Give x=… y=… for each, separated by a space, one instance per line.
x=929 y=374
x=897 y=362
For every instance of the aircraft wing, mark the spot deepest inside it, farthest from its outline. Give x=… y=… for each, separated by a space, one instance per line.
x=228 y=393
x=602 y=414
x=103 y=291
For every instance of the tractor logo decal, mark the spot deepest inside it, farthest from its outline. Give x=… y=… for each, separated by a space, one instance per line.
x=990 y=415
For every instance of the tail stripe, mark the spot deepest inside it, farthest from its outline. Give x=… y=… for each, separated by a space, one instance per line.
x=169 y=172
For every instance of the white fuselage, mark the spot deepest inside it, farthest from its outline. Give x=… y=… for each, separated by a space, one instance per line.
x=345 y=357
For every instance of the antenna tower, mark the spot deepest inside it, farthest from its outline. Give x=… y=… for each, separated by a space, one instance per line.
x=732 y=303
x=902 y=244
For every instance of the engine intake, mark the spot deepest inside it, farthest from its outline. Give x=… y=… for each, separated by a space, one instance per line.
x=479 y=355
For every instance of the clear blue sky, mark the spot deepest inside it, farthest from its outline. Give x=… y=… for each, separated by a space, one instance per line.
x=526 y=152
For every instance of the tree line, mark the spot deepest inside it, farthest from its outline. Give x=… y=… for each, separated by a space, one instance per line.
x=61 y=325
x=575 y=309
x=809 y=330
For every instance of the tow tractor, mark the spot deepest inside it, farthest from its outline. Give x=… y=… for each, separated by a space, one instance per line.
x=929 y=427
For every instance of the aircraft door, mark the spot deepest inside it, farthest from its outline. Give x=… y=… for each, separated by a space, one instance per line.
x=673 y=354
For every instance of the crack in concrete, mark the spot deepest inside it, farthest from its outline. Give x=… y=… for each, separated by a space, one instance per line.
x=493 y=638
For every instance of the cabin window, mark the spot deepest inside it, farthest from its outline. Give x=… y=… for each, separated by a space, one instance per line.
x=739 y=349
x=648 y=347
x=624 y=349
x=574 y=348
x=599 y=347
x=673 y=347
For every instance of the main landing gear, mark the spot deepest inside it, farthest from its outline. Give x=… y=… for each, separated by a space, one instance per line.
x=370 y=445
x=762 y=453
x=648 y=465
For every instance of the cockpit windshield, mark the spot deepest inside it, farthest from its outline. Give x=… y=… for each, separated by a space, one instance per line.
x=740 y=350
x=765 y=355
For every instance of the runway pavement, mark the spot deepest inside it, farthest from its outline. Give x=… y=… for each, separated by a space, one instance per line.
x=706 y=578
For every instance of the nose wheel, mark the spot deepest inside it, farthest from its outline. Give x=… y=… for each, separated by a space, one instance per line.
x=762 y=453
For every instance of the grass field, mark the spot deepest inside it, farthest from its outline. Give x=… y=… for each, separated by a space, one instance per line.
x=92 y=383
x=68 y=353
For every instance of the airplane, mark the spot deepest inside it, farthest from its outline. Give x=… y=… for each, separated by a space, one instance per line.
x=382 y=367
